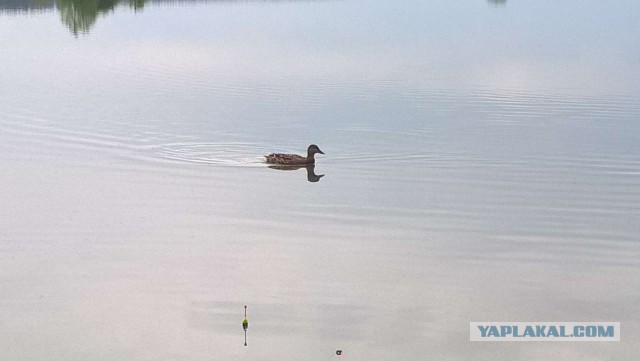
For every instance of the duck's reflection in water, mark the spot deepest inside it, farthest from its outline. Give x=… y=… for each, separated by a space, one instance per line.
x=311 y=174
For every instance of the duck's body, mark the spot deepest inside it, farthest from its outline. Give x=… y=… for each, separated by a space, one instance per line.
x=294 y=159
x=288 y=159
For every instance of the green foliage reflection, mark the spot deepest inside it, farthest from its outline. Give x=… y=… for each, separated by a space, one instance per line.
x=80 y=15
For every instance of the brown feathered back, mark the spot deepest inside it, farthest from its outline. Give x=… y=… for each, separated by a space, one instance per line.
x=287 y=159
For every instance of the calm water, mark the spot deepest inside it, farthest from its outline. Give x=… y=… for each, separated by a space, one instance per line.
x=482 y=164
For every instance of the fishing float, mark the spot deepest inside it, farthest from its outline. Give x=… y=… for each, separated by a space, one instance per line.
x=245 y=325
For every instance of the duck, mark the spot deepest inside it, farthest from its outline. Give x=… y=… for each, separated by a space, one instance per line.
x=294 y=159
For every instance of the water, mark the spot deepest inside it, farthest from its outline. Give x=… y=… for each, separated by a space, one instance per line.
x=482 y=164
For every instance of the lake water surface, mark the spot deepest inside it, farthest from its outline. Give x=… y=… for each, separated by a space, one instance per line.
x=482 y=164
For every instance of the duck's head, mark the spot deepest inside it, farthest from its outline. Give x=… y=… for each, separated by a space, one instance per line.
x=313 y=149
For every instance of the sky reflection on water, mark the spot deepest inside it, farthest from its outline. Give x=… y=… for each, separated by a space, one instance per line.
x=482 y=164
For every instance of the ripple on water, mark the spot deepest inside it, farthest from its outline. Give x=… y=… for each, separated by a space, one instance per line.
x=52 y=137
x=229 y=154
x=416 y=140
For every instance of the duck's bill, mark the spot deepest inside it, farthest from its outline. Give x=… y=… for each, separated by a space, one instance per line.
x=321 y=152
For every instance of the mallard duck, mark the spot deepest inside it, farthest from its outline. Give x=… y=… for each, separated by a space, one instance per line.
x=294 y=159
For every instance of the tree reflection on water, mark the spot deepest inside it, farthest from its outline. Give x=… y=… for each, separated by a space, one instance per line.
x=80 y=15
